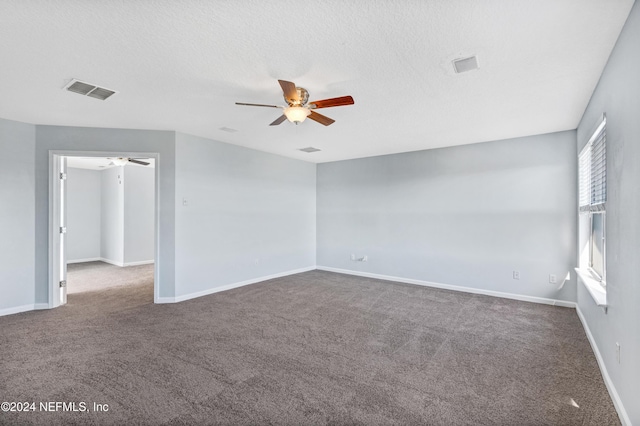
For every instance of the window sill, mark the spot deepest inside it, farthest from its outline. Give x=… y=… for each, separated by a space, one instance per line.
x=595 y=289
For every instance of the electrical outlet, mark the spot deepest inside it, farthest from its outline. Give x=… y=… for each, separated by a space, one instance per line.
x=516 y=275
x=185 y=203
x=365 y=258
x=618 y=352
x=257 y=261
x=553 y=279
x=353 y=257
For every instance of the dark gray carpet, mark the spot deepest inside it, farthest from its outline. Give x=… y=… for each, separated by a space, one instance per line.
x=313 y=348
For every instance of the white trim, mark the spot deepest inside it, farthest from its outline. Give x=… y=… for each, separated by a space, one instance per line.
x=23 y=308
x=140 y=262
x=89 y=259
x=524 y=298
x=593 y=286
x=184 y=297
x=55 y=254
x=111 y=262
x=613 y=393
x=16 y=310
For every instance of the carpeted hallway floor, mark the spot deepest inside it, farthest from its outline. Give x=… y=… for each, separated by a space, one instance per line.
x=92 y=276
x=313 y=348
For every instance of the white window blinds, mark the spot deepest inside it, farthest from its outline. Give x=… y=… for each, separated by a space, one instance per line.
x=593 y=171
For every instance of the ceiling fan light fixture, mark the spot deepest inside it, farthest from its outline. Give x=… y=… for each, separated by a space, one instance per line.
x=296 y=114
x=120 y=161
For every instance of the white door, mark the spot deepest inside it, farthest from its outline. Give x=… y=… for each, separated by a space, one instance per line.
x=59 y=224
x=63 y=233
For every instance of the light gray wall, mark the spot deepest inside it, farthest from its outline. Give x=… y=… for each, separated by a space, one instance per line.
x=17 y=214
x=618 y=95
x=127 y=223
x=83 y=214
x=466 y=216
x=139 y=220
x=106 y=140
x=112 y=215
x=243 y=206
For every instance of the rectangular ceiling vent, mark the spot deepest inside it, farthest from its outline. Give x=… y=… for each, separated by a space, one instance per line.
x=465 y=64
x=309 y=149
x=88 y=89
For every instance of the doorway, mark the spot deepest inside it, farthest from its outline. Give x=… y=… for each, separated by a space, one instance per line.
x=112 y=226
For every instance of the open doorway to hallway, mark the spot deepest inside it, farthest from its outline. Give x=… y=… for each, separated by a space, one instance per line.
x=108 y=223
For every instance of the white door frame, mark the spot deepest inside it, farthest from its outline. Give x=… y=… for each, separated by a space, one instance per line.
x=55 y=221
x=55 y=253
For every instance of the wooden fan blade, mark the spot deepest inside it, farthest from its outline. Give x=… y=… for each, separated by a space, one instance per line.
x=144 y=163
x=326 y=103
x=322 y=119
x=260 y=105
x=278 y=120
x=289 y=90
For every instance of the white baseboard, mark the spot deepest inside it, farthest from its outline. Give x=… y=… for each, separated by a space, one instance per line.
x=617 y=402
x=16 y=309
x=90 y=259
x=23 y=308
x=184 y=297
x=123 y=264
x=111 y=262
x=140 y=262
x=524 y=298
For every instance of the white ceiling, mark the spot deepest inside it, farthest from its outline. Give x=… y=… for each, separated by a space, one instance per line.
x=101 y=163
x=181 y=65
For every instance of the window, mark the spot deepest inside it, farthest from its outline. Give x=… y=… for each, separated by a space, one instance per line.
x=593 y=196
x=596 y=254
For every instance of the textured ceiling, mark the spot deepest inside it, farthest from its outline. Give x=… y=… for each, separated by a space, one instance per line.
x=100 y=163
x=181 y=65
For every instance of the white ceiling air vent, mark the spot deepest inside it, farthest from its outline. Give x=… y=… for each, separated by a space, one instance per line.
x=88 y=89
x=465 y=64
x=309 y=149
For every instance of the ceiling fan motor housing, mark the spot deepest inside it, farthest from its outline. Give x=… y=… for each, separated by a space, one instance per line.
x=303 y=97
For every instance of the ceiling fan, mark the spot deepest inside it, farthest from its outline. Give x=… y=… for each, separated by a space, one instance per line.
x=121 y=161
x=297 y=109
